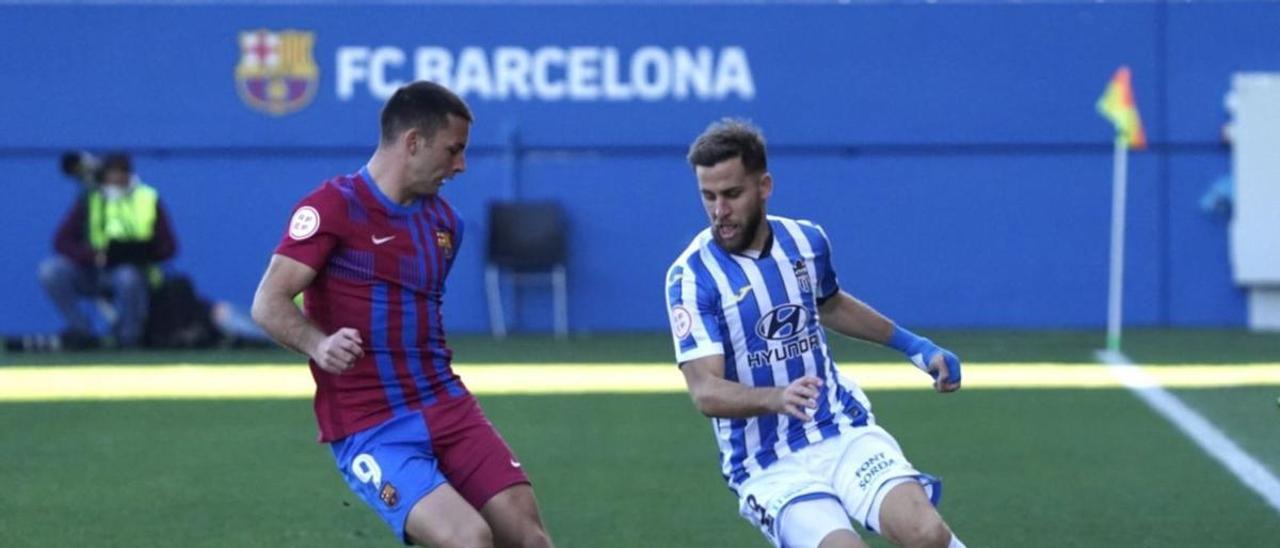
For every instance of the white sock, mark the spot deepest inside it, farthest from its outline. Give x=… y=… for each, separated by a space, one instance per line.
x=955 y=542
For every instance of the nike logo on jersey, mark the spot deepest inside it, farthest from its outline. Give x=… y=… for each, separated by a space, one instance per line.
x=515 y=463
x=742 y=294
x=380 y=241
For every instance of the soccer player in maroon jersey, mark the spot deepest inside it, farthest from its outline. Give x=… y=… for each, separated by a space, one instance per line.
x=370 y=251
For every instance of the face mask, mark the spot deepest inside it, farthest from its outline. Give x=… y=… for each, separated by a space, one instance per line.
x=112 y=192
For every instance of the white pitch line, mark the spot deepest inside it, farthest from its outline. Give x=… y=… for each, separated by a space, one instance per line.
x=1243 y=466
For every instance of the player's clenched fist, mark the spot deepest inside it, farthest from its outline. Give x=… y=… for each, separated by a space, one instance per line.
x=799 y=395
x=339 y=351
x=945 y=369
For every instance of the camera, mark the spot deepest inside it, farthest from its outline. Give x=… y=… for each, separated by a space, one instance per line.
x=90 y=170
x=82 y=166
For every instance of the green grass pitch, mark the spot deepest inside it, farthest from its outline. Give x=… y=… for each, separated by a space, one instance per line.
x=1025 y=467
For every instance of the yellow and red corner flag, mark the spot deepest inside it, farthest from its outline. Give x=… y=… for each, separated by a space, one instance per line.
x=1118 y=106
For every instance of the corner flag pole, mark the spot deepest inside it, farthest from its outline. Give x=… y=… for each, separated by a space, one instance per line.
x=1118 y=106
x=1115 y=290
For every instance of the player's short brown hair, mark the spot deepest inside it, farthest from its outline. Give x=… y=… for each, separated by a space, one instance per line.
x=423 y=105
x=730 y=138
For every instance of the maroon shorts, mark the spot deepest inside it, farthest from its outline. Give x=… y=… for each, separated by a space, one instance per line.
x=472 y=456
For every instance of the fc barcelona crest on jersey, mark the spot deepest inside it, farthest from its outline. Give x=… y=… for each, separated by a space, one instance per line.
x=389 y=495
x=277 y=73
x=444 y=241
x=802 y=277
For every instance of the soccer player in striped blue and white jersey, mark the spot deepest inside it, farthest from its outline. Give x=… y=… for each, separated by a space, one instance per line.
x=748 y=301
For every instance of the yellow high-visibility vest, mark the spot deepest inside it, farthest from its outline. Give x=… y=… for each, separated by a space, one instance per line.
x=131 y=218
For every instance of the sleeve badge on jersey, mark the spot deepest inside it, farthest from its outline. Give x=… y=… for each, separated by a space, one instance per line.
x=305 y=223
x=681 y=321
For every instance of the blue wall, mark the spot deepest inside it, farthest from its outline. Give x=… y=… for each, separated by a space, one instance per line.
x=951 y=151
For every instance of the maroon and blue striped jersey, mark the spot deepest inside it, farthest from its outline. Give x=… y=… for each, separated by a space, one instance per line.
x=381 y=269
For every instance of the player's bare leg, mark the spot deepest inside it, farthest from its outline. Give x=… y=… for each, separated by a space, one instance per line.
x=843 y=538
x=513 y=516
x=908 y=519
x=442 y=519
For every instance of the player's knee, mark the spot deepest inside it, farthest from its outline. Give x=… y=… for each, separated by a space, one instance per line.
x=842 y=538
x=480 y=536
x=472 y=535
x=459 y=533
x=535 y=537
x=525 y=533
x=930 y=532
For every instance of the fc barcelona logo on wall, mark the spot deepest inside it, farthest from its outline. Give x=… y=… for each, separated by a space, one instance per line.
x=277 y=73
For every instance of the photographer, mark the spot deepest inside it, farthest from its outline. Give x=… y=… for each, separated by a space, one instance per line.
x=109 y=245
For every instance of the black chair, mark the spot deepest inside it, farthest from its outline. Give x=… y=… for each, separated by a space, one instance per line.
x=528 y=241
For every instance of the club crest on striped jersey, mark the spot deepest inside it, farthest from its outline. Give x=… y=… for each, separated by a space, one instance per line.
x=802 y=276
x=783 y=322
x=444 y=241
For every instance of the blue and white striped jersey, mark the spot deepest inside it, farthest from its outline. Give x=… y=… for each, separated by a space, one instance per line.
x=761 y=314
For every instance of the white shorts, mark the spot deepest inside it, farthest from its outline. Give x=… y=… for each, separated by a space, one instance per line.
x=851 y=468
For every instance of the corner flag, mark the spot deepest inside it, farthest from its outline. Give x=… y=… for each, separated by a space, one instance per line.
x=1118 y=106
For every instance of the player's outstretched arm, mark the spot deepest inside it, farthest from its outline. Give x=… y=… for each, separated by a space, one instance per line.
x=848 y=316
x=716 y=397
x=274 y=310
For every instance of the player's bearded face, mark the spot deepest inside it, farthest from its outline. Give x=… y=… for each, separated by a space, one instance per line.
x=734 y=201
x=736 y=230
